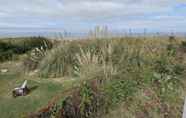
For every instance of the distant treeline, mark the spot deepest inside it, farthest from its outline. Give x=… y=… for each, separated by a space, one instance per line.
x=10 y=47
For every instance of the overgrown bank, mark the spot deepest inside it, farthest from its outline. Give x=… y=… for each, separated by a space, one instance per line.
x=145 y=76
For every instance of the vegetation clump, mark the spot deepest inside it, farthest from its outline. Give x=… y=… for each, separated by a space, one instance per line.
x=9 y=48
x=110 y=78
x=114 y=72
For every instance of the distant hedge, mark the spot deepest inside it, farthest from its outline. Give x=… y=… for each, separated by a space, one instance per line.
x=10 y=47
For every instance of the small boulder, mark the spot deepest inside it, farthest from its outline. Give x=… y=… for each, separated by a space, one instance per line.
x=4 y=70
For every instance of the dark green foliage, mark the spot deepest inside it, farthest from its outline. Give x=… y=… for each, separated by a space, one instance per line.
x=68 y=109
x=120 y=90
x=6 y=51
x=6 y=55
x=172 y=38
x=90 y=102
x=183 y=46
x=161 y=66
x=179 y=69
x=167 y=78
x=87 y=98
x=164 y=67
x=11 y=47
x=171 y=48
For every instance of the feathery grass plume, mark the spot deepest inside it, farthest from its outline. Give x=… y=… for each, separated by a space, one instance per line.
x=60 y=61
x=36 y=55
x=95 y=61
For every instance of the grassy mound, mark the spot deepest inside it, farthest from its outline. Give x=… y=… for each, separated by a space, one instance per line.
x=147 y=76
x=105 y=78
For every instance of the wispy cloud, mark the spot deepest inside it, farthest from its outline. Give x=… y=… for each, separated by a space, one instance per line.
x=84 y=14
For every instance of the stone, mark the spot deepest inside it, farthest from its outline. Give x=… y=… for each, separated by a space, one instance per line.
x=4 y=70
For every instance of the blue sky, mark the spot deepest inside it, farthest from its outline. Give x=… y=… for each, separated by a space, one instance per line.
x=82 y=15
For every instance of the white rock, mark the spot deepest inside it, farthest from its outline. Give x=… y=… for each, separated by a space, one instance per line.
x=4 y=70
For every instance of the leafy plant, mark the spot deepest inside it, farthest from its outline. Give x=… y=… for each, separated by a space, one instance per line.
x=120 y=90
x=87 y=98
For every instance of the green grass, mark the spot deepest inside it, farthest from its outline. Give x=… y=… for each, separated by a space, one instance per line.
x=46 y=90
x=15 y=107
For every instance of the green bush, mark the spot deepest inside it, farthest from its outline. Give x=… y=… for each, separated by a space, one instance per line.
x=120 y=90
x=60 y=61
x=17 y=46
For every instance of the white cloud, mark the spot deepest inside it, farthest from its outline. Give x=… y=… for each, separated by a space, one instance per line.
x=40 y=13
x=82 y=8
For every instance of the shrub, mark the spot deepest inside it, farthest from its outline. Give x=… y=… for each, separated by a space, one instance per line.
x=33 y=58
x=59 y=62
x=183 y=46
x=87 y=98
x=11 y=47
x=120 y=90
x=171 y=48
x=72 y=58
